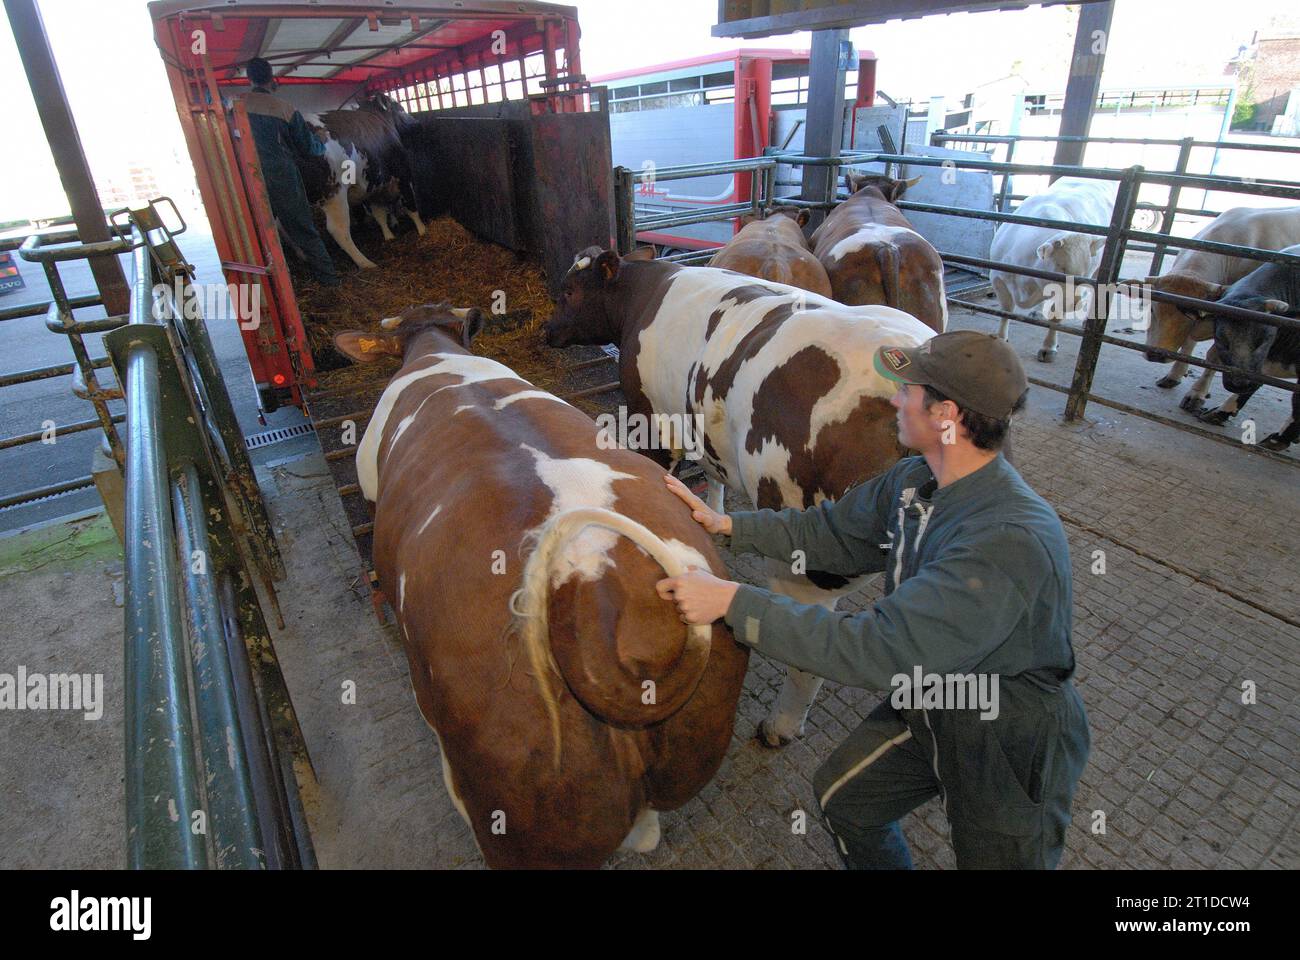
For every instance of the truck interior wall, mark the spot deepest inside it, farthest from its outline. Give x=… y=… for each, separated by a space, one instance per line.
x=538 y=183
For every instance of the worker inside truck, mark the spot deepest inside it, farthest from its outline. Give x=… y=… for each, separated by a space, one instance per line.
x=282 y=137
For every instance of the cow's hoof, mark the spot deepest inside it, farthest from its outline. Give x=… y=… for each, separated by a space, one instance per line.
x=1191 y=403
x=1046 y=356
x=1215 y=418
x=1167 y=383
x=1274 y=441
x=768 y=737
x=368 y=265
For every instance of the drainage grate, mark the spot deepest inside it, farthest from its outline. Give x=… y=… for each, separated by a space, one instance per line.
x=278 y=435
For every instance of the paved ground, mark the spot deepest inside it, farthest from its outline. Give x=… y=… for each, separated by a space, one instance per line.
x=1198 y=598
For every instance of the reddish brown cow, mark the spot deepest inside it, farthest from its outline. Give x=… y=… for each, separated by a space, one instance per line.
x=872 y=254
x=521 y=556
x=775 y=249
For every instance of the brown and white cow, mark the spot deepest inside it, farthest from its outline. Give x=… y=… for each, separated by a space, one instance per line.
x=774 y=248
x=780 y=381
x=1207 y=276
x=569 y=701
x=366 y=164
x=872 y=254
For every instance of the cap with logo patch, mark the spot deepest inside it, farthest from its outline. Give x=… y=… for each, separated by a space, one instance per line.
x=978 y=371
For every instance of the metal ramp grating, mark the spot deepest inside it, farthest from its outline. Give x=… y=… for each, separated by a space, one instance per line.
x=278 y=435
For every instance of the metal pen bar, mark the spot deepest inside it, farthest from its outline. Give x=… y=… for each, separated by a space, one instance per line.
x=1112 y=259
x=39 y=493
x=236 y=836
x=43 y=308
x=47 y=373
x=78 y=427
x=162 y=790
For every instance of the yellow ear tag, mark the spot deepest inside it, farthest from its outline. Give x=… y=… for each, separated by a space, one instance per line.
x=367 y=344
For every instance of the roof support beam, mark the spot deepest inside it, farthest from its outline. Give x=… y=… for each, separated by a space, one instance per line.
x=1090 y=41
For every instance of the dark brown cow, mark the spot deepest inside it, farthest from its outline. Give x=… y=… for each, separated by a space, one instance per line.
x=872 y=254
x=779 y=383
x=775 y=248
x=521 y=556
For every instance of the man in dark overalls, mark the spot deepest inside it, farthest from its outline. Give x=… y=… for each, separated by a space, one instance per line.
x=281 y=134
x=977 y=586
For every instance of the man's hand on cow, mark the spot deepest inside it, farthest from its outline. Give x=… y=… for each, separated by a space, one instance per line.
x=710 y=520
x=701 y=597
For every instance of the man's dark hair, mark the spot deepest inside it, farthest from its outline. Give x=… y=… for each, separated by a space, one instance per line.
x=260 y=72
x=986 y=433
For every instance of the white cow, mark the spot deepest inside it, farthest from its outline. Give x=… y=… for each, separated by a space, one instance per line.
x=1071 y=199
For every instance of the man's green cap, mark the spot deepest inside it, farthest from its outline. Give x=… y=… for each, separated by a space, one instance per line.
x=977 y=371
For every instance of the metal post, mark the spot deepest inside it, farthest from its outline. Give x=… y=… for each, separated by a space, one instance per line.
x=162 y=792
x=231 y=803
x=1171 y=208
x=1090 y=40
x=1004 y=195
x=624 y=211
x=65 y=146
x=1112 y=259
x=825 y=124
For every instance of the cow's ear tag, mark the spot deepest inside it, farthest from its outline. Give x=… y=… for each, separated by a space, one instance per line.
x=364 y=347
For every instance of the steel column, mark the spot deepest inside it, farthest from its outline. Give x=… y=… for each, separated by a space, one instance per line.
x=824 y=129
x=1081 y=91
x=65 y=145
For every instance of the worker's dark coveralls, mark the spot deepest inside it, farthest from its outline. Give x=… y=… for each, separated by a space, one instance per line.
x=977 y=581
x=281 y=134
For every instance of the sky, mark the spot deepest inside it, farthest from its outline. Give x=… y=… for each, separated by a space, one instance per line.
x=123 y=106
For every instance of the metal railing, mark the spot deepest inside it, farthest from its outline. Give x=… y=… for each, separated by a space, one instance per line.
x=213 y=748
x=1169 y=210
x=1118 y=233
x=49 y=248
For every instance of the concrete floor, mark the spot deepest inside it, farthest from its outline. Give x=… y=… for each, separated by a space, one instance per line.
x=1200 y=594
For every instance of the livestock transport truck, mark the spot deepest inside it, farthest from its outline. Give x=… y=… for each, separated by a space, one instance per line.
x=738 y=104
x=503 y=115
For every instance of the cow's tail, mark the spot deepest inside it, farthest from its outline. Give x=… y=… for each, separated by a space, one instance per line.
x=887 y=259
x=599 y=678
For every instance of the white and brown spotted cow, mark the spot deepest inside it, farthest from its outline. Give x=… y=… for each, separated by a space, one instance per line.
x=782 y=380
x=569 y=701
x=872 y=254
x=365 y=164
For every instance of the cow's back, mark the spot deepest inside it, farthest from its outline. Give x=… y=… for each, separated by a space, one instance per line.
x=872 y=255
x=1263 y=228
x=451 y=528
x=792 y=406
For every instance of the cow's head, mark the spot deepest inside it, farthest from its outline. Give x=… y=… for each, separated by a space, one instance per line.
x=450 y=327
x=1171 y=325
x=382 y=103
x=584 y=313
x=1074 y=254
x=891 y=189
x=1246 y=343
